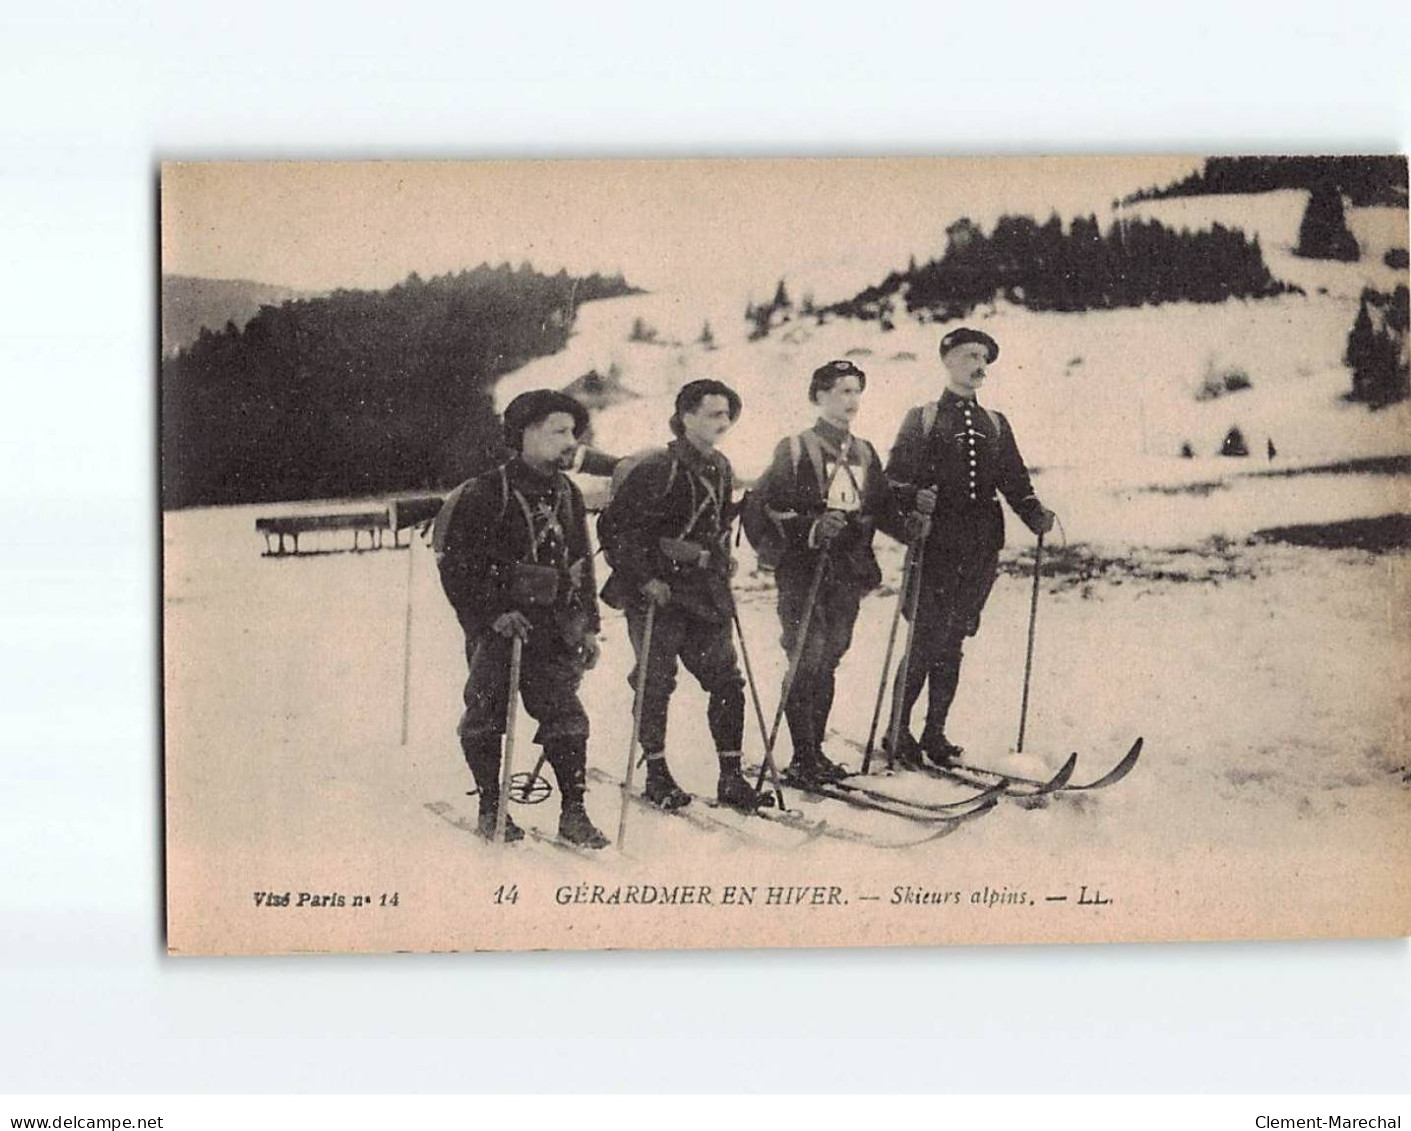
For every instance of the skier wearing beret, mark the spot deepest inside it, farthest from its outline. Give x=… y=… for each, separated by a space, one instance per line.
x=666 y=536
x=951 y=459
x=515 y=562
x=824 y=495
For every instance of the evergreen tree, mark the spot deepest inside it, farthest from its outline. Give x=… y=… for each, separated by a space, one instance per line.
x=1359 y=340
x=1234 y=444
x=1324 y=233
x=1377 y=349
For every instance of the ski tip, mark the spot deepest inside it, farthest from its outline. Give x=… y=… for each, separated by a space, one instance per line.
x=1119 y=771
x=1064 y=775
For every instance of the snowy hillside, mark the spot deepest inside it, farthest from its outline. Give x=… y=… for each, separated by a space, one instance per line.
x=1111 y=391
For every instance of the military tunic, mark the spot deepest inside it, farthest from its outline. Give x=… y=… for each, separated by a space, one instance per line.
x=794 y=493
x=684 y=494
x=510 y=516
x=969 y=456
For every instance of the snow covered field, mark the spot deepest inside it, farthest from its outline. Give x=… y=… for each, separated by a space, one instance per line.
x=1270 y=681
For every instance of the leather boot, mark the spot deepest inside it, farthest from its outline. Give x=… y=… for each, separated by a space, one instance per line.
x=570 y=763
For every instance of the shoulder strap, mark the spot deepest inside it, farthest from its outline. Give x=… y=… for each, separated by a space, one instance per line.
x=441 y=525
x=995 y=420
x=815 y=457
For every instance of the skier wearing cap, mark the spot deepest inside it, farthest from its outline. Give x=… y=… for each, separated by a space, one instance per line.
x=950 y=459
x=513 y=553
x=666 y=536
x=825 y=493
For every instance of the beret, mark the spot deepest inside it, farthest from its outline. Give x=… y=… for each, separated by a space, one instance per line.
x=537 y=404
x=964 y=335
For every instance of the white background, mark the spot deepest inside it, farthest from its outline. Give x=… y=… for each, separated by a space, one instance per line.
x=96 y=94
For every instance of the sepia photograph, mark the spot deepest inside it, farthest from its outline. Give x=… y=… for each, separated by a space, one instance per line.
x=590 y=554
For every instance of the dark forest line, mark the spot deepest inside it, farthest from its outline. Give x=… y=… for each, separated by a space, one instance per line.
x=359 y=392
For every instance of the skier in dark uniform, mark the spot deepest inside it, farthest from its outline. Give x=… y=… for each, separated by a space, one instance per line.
x=950 y=458
x=825 y=491
x=666 y=535
x=513 y=552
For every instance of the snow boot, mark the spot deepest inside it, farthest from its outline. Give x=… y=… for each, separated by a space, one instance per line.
x=802 y=773
x=576 y=828
x=831 y=770
x=941 y=751
x=661 y=788
x=733 y=790
x=482 y=755
x=485 y=824
x=908 y=753
x=806 y=770
x=570 y=760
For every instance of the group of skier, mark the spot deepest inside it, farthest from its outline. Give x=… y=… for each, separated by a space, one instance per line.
x=516 y=563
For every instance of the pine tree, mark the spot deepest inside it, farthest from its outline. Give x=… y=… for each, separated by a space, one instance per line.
x=1359 y=340
x=1234 y=444
x=1324 y=234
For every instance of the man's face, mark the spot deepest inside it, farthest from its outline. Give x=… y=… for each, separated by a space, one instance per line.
x=840 y=403
x=965 y=366
x=708 y=421
x=551 y=442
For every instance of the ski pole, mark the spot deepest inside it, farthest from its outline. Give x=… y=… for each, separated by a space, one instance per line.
x=769 y=764
x=794 y=661
x=638 y=696
x=904 y=667
x=507 y=767
x=906 y=581
x=1029 y=655
x=407 y=638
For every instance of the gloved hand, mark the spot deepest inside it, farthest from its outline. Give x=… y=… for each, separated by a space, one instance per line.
x=512 y=624
x=828 y=527
x=1046 y=520
x=658 y=592
x=926 y=500
x=916 y=525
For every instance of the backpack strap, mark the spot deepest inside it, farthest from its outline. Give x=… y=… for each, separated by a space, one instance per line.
x=929 y=411
x=795 y=452
x=536 y=538
x=815 y=457
x=441 y=525
x=809 y=441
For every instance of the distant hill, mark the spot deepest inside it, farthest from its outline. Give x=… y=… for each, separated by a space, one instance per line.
x=1047 y=267
x=1365 y=181
x=359 y=392
x=190 y=304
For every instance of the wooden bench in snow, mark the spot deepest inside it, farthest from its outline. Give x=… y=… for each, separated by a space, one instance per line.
x=370 y=528
x=282 y=533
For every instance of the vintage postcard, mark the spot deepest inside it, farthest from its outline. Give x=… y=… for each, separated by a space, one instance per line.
x=626 y=554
